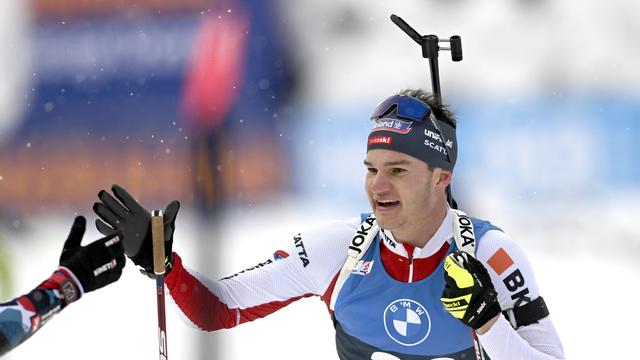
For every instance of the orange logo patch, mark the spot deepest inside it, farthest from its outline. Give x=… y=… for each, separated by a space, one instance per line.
x=500 y=261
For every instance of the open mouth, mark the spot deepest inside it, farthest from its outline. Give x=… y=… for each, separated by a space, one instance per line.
x=385 y=204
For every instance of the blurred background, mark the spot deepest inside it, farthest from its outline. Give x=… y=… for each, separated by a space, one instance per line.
x=254 y=113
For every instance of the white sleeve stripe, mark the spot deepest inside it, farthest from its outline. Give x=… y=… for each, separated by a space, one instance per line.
x=240 y=293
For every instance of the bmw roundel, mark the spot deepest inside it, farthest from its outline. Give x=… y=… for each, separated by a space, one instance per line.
x=407 y=322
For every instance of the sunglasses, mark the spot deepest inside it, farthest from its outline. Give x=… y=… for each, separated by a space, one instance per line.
x=406 y=107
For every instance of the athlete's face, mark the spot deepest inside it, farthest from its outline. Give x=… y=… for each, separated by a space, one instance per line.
x=403 y=192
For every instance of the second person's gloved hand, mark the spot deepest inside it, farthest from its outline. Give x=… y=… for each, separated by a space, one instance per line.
x=134 y=222
x=97 y=264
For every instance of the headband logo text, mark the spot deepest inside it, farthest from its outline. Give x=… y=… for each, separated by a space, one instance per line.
x=380 y=140
x=436 y=136
x=386 y=124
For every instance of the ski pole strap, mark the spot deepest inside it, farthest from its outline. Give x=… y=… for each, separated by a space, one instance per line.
x=527 y=314
x=357 y=248
x=463 y=232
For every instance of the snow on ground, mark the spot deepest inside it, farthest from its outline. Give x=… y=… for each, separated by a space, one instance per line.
x=587 y=292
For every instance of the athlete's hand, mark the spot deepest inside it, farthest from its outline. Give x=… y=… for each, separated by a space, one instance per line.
x=468 y=294
x=97 y=264
x=134 y=221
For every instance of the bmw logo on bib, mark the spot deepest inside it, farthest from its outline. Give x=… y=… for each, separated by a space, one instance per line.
x=407 y=322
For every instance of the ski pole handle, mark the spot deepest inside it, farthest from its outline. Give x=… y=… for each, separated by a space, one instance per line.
x=157 y=236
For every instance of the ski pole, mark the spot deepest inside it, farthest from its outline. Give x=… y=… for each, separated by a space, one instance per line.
x=157 y=233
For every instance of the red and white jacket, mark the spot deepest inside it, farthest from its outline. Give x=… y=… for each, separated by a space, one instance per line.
x=309 y=266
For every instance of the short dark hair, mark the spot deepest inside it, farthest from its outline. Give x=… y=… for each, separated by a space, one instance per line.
x=442 y=112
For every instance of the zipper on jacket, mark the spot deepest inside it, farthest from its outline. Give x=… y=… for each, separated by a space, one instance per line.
x=410 y=267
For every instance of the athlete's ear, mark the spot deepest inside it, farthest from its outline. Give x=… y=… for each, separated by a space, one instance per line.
x=440 y=179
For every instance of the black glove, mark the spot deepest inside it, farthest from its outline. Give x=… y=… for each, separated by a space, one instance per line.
x=134 y=222
x=97 y=264
x=468 y=293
